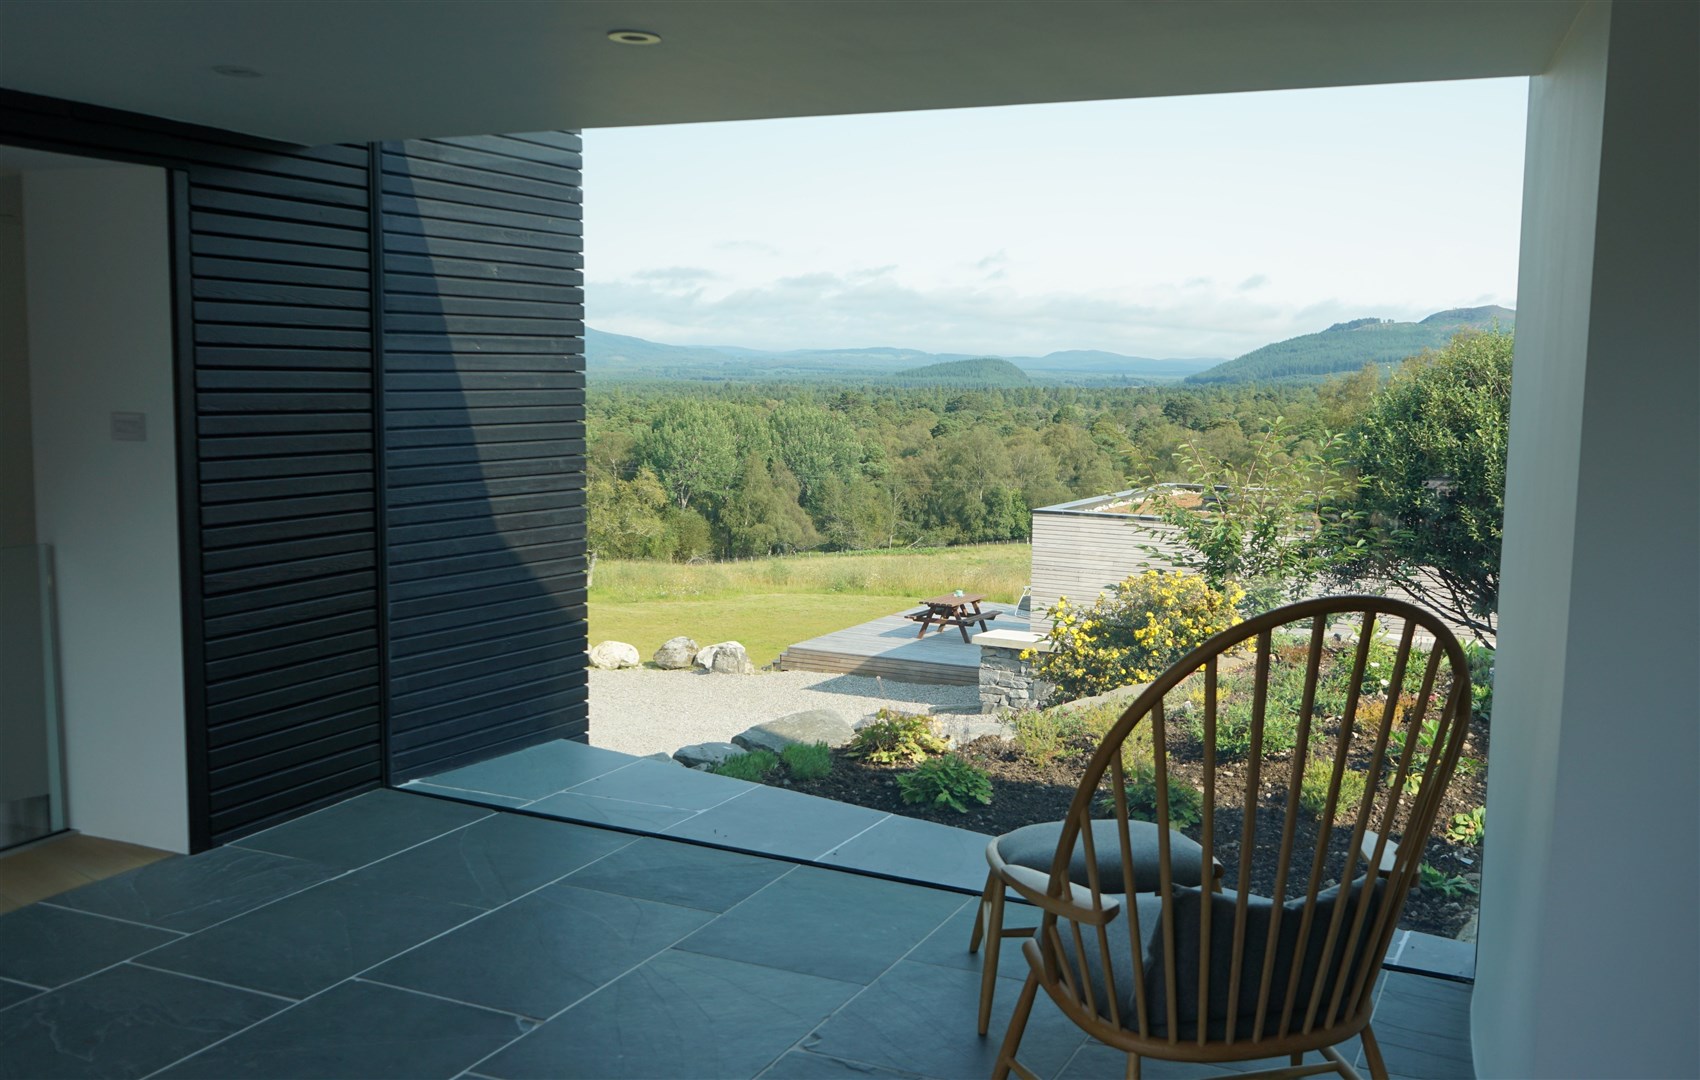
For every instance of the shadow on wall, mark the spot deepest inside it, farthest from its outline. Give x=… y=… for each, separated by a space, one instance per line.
x=484 y=434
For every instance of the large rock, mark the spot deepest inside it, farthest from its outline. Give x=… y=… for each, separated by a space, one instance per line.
x=810 y=726
x=725 y=658
x=612 y=655
x=707 y=753
x=676 y=654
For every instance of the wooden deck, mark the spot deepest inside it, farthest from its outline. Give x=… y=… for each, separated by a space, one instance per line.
x=888 y=647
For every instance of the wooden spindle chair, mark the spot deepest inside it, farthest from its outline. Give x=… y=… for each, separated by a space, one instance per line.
x=1185 y=974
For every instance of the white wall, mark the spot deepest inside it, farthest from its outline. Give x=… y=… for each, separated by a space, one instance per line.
x=1589 y=958
x=98 y=263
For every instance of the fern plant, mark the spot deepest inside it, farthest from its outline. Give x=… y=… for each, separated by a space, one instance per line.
x=946 y=781
x=896 y=738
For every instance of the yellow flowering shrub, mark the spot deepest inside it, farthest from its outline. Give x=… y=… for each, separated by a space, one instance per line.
x=1132 y=633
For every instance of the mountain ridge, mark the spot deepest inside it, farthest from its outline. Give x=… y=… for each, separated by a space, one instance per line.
x=1348 y=346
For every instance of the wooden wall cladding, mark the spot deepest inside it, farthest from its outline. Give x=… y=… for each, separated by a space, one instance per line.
x=483 y=409
x=383 y=562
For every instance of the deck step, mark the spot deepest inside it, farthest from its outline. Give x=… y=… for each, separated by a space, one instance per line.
x=898 y=670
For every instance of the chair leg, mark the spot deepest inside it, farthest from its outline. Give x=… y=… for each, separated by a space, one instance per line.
x=994 y=946
x=1295 y=1059
x=980 y=914
x=1017 y=1025
x=1133 y=1067
x=1372 y=1054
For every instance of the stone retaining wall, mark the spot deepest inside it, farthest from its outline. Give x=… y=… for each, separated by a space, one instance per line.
x=1007 y=682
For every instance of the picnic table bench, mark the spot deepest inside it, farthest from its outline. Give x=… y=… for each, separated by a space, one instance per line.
x=952 y=609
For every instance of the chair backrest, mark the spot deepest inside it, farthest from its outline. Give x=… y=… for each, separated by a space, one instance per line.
x=1307 y=745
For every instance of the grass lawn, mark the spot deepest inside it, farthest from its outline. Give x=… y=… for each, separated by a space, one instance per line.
x=764 y=623
x=769 y=604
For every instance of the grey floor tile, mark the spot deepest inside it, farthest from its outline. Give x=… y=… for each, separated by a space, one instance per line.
x=680 y=1015
x=775 y=821
x=308 y=941
x=543 y=952
x=827 y=923
x=364 y=829
x=677 y=873
x=1095 y=1061
x=11 y=993
x=1437 y=955
x=486 y=798
x=922 y=851
x=922 y=1017
x=803 y=1065
x=948 y=945
x=124 y=1022
x=358 y=1031
x=193 y=893
x=492 y=861
x=665 y=784
x=535 y=771
x=590 y=810
x=49 y=946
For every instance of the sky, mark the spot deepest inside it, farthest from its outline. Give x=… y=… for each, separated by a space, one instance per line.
x=1169 y=227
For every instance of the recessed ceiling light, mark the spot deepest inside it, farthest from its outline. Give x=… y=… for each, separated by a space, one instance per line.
x=236 y=71
x=634 y=37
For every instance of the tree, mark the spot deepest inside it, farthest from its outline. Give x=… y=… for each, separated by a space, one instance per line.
x=762 y=516
x=1260 y=525
x=692 y=449
x=625 y=518
x=1430 y=505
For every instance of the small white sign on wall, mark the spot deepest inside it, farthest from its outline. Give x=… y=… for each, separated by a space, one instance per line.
x=130 y=427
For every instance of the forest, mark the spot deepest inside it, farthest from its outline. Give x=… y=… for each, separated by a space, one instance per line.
x=681 y=471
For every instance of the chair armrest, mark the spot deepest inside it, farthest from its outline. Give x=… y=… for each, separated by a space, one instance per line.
x=1077 y=906
x=1389 y=854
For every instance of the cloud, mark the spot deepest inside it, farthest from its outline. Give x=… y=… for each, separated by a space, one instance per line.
x=996 y=258
x=755 y=246
x=1255 y=281
x=868 y=307
x=678 y=274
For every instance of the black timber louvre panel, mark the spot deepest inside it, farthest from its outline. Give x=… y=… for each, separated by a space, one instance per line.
x=483 y=407
x=284 y=429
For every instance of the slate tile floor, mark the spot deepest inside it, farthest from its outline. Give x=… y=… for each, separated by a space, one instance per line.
x=395 y=935
x=570 y=781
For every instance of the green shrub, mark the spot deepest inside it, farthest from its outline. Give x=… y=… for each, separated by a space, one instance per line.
x=1450 y=886
x=896 y=738
x=753 y=766
x=807 y=761
x=1044 y=735
x=946 y=781
x=1186 y=803
x=1132 y=633
x=1319 y=773
x=1468 y=828
x=1481 y=680
x=1233 y=721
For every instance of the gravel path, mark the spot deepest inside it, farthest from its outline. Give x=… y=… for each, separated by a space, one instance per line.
x=646 y=710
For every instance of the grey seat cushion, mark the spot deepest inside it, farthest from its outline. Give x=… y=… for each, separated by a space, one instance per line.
x=1188 y=908
x=1035 y=846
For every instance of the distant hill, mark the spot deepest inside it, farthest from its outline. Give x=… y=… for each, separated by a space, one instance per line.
x=1348 y=346
x=987 y=372
x=619 y=358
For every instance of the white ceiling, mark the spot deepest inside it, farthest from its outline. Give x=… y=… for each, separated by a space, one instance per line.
x=381 y=69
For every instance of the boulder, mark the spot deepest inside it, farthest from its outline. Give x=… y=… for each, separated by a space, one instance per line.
x=810 y=726
x=707 y=754
x=725 y=658
x=675 y=654
x=613 y=655
x=659 y=755
x=961 y=730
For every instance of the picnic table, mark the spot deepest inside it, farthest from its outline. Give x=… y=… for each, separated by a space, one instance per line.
x=960 y=610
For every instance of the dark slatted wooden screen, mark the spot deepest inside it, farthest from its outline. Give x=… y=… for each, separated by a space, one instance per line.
x=484 y=446
x=458 y=261
x=283 y=374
